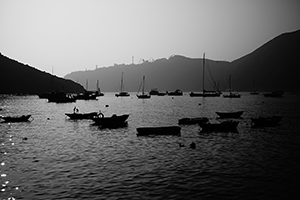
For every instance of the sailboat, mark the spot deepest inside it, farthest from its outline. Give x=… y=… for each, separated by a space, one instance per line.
x=98 y=92
x=122 y=93
x=143 y=95
x=204 y=93
x=231 y=94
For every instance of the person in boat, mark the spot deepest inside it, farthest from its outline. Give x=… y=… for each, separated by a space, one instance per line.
x=75 y=109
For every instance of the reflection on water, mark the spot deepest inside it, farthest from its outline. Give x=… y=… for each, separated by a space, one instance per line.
x=53 y=157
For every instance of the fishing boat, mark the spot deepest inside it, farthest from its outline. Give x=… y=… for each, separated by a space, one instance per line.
x=265 y=121
x=75 y=115
x=274 y=94
x=122 y=92
x=161 y=130
x=194 y=120
x=231 y=94
x=205 y=93
x=22 y=118
x=60 y=97
x=143 y=95
x=175 y=93
x=115 y=121
x=225 y=126
x=236 y=114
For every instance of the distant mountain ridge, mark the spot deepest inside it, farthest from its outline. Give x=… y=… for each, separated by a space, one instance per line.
x=17 y=78
x=273 y=66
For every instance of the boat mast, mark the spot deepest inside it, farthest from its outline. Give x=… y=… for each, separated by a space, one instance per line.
x=203 y=72
x=229 y=84
x=143 y=84
x=122 y=82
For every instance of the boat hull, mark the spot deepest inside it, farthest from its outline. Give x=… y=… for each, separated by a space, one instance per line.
x=265 y=121
x=237 y=114
x=111 y=122
x=90 y=115
x=196 y=120
x=165 y=130
x=23 y=118
x=226 y=126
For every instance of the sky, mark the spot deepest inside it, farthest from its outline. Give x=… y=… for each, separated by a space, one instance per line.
x=62 y=36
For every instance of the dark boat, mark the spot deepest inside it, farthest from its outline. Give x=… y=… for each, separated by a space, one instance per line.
x=175 y=93
x=195 y=120
x=265 y=121
x=156 y=92
x=162 y=130
x=82 y=115
x=143 y=95
x=230 y=114
x=205 y=93
x=22 y=118
x=60 y=97
x=274 y=94
x=86 y=96
x=226 y=126
x=115 y=121
x=122 y=93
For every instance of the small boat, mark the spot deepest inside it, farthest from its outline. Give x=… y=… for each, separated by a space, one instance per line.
x=254 y=91
x=86 y=96
x=195 y=120
x=162 y=130
x=265 y=121
x=231 y=94
x=226 y=126
x=274 y=94
x=60 y=97
x=82 y=115
x=143 y=95
x=156 y=92
x=22 y=118
x=175 y=93
x=122 y=93
x=115 y=121
x=230 y=114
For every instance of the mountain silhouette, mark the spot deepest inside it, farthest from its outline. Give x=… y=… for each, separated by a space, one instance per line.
x=273 y=66
x=17 y=78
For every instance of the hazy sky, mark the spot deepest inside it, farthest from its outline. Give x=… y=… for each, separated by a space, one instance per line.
x=72 y=35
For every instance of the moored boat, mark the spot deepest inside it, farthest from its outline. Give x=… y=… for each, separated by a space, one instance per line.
x=236 y=114
x=60 y=97
x=194 y=120
x=274 y=94
x=143 y=95
x=160 y=130
x=231 y=94
x=82 y=115
x=22 y=118
x=225 y=126
x=115 y=121
x=175 y=93
x=265 y=121
x=122 y=92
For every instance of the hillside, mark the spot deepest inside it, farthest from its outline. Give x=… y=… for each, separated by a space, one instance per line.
x=17 y=78
x=177 y=72
x=273 y=66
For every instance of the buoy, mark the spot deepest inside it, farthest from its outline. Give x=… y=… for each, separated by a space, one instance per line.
x=106 y=105
x=193 y=145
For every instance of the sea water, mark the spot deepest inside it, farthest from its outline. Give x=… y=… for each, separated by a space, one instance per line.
x=53 y=157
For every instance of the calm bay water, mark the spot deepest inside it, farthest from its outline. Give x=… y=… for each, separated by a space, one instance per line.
x=64 y=159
